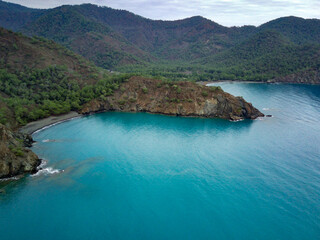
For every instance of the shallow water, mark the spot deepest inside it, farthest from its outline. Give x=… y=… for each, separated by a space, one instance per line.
x=143 y=176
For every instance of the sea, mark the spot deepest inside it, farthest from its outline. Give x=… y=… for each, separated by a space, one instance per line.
x=144 y=176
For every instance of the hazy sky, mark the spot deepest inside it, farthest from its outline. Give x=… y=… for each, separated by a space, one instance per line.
x=225 y=12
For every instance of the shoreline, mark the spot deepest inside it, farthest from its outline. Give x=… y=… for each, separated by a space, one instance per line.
x=37 y=125
x=205 y=83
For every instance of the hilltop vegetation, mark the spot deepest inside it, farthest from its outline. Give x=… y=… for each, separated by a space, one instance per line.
x=194 y=48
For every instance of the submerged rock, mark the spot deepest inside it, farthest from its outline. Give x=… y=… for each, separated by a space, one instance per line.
x=15 y=159
x=174 y=98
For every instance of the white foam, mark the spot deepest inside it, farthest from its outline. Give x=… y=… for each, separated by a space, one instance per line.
x=46 y=171
x=265 y=109
x=49 y=140
x=238 y=120
x=9 y=179
x=42 y=164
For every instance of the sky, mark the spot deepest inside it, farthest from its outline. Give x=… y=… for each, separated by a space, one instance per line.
x=224 y=12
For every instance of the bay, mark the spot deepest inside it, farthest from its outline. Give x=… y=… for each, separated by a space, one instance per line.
x=143 y=176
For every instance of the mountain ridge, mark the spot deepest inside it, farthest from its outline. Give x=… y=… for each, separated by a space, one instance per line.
x=123 y=41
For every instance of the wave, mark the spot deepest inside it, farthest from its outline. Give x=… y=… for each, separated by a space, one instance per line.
x=238 y=120
x=9 y=179
x=46 y=171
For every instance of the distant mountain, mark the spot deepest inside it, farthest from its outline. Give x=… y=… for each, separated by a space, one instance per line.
x=119 y=37
x=265 y=55
x=92 y=39
x=297 y=30
x=120 y=40
x=14 y=16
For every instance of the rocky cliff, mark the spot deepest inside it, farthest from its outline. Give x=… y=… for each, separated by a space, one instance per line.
x=15 y=159
x=174 y=98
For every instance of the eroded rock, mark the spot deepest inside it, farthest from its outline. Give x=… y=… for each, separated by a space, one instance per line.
x=15 y=159
x=174 y=98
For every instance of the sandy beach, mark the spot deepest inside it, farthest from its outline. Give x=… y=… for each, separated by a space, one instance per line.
x=36 y=125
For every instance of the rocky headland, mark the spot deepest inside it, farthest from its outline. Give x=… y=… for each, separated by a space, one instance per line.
x=140 y=94
x=137 y=94
x=15 y=158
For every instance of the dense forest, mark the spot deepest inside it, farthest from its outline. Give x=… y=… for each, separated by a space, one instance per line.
x=194 y=48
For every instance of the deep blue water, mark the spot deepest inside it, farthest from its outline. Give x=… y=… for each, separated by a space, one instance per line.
x=143 y=176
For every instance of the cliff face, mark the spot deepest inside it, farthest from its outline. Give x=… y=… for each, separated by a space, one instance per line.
x=15 y=159
x=178 y=98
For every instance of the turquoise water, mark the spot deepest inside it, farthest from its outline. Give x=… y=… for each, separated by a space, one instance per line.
x=143 y=176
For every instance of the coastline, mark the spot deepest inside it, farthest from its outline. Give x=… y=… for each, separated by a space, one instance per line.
x=34 y=126
x=205 y=83
x=37 y=125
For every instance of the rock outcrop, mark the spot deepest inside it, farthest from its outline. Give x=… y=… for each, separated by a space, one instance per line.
x=15 y=159
x=174 y=98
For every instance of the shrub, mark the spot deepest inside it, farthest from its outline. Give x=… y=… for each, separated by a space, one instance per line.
x=215 y=88
x=3 y=118
x=204 y=93
x=17 y=151
x=132 y=100
x=145 y=90
x=122 y=102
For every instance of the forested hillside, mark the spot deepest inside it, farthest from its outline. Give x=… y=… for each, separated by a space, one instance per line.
x=39 y=78
x=194 y=48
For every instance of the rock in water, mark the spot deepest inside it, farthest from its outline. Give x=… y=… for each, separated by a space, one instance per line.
x=15 y=159
x=174 y=98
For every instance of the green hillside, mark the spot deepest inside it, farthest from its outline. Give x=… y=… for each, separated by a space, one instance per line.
x=194 y=48
x=39 y=78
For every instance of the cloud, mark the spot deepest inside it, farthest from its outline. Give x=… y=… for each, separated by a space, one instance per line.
x=225 y=12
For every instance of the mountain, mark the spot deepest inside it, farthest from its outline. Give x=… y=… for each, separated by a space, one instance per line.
x=194 y=48
x=297 y=30
x=118 y=37
x=91 y=39
x=13 y=16
x=266 y=55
